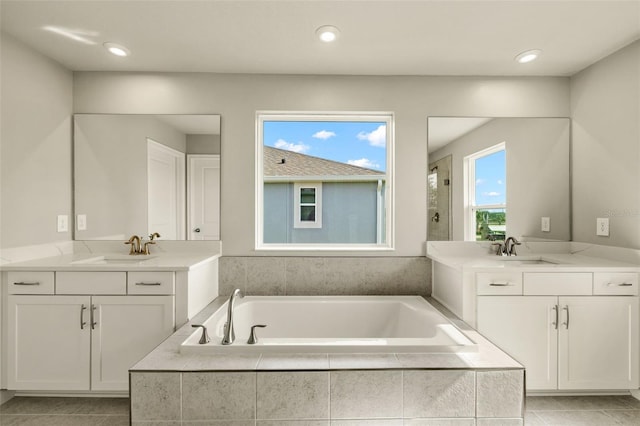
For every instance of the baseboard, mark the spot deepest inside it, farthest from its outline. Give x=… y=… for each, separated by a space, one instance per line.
x=5 y=396
x=74 y=394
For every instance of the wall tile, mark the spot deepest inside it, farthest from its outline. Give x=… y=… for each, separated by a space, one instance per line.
x=232 y=274
x=363 y=361
x=293 y=395
x=440 y=422
x=265 y=276
x=155 y=396
x=218 y=423
x=398 y=276
x=292 y=423
x=305 y=276
x=344 y=276
x=294 y=362
x=500 y=393
x=499 y=422
x=368 y=422
x=366 y=394
x=218 y=396
x=439 y=393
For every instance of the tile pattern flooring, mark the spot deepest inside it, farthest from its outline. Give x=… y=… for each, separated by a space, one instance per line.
x=541 y=410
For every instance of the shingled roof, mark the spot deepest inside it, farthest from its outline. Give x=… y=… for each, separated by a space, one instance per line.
x=280 y=162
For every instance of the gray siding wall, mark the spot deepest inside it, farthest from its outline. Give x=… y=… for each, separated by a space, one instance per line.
x=348 y=214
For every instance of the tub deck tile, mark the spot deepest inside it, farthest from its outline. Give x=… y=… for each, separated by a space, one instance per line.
x=294 y=362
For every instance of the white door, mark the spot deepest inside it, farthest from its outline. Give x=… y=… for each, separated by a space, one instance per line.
x=48 y=342
x=166 y=188
x=598 y=343
x=204 y=197
x=126 y=329
x=524 y=327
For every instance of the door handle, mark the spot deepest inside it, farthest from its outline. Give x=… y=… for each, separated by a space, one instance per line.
x=93 y=321
x=555 y=323
x=82 y=322
x=566 y=324
x=196 y=230
x=436 y=217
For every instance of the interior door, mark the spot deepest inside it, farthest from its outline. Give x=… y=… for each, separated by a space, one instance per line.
x=204 y=197
x=439 y=202
x=166 y=199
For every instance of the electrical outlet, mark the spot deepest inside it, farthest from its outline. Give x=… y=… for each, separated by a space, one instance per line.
x=602 y=226
x=63 y=223
x=545 y=224
x=81 y=222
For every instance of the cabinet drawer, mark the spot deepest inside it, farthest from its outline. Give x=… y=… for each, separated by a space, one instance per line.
x=91 y=283
x=150 y=283
x=30 y=282
x=615 y=283
x=507 y=283
x=558 y=283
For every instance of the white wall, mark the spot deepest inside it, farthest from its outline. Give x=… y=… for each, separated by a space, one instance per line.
x=238 y=97
x=35 y=152
x=605 y=107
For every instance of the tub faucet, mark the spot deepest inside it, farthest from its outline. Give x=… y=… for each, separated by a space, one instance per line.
x=229 y=334
x=509 y=248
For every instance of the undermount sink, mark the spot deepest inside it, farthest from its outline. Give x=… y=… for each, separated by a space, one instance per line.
x=113 y=260
x=515 y=261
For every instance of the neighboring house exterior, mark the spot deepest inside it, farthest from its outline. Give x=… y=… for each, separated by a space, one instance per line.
x=323 y=201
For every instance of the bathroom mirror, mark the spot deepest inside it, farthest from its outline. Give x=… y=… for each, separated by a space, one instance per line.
x=490 y=177
x=139 y=174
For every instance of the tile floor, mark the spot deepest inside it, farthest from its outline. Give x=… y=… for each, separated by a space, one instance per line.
x=541 y=410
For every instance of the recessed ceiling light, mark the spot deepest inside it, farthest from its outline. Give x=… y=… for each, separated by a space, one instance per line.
x=528 y=56
x=116 y=49
x=327 y=33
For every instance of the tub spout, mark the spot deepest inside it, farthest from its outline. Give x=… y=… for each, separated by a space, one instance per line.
x=229 y=334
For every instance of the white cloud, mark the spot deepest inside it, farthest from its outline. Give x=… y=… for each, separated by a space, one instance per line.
x=324 y=134
x=376 y=138
x=491 y=194
x=289 y=146
x=364 y=162
x=480 y=181
x=500 y=182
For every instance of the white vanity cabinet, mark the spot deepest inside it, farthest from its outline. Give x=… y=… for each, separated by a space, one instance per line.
x=567 y=338
x=85 y=334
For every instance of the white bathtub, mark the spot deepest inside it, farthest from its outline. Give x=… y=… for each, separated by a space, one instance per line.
x=330 y=324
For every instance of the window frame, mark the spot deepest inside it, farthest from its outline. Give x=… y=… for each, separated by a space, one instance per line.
x=470 y=189
x=298 y=223
x=389 y=204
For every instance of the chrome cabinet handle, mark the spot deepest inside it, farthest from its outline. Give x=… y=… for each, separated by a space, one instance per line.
x=566 y=324
x=25 y=283
x=499 y=284
x=148 y=283
x=625 y=285
x=555 y=323
x=93 y=322
x=82 y=322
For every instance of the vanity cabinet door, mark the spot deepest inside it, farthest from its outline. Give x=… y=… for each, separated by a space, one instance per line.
x=598 y=343
x=48 y=342
x=525 y=328
x=124 y=330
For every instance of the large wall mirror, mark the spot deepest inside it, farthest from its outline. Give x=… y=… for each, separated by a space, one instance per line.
x=140 y=174
x=494 y=177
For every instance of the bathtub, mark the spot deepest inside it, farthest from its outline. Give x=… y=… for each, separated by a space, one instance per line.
x=332 y=324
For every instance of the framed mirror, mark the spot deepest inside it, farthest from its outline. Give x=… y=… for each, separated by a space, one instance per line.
x=494 y=177
x=140 y=174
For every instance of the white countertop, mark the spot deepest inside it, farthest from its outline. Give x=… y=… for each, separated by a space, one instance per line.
x=114 y=262
x=538 y=257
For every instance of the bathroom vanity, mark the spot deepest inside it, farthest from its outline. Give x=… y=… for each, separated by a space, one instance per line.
x=78 y=322
x=571 y=319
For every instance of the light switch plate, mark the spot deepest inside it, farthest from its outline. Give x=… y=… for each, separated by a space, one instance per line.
x=602 y=226
x=63 y=223
x=545 y=224
x=81 y=222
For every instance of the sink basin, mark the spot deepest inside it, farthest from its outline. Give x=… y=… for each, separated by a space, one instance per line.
x=113 y=260
x=514 y=261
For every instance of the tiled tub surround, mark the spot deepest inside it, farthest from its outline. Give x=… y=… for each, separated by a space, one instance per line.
x=295 y=276
x=167 y=387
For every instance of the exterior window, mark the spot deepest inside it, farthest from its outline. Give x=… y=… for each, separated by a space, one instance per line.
x=324 y=181
x=308 y=205
x=485 y=189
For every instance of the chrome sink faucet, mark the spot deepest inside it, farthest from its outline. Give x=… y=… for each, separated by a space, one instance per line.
x=229 y=334
x=509 y=248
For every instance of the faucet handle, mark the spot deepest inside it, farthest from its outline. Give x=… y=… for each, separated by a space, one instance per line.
x=204 y=338
x=498 y=246
x=146 y=246
x=253 y=339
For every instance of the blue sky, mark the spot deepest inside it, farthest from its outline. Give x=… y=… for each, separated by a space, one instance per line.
x=491 y=179
x=359 y=143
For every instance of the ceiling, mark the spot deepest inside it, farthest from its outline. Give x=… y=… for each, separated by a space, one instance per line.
x=392 y=37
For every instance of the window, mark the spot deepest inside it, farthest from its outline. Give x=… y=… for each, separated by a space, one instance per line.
x=485 y=190
x=324 y=181
x=308 y=205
